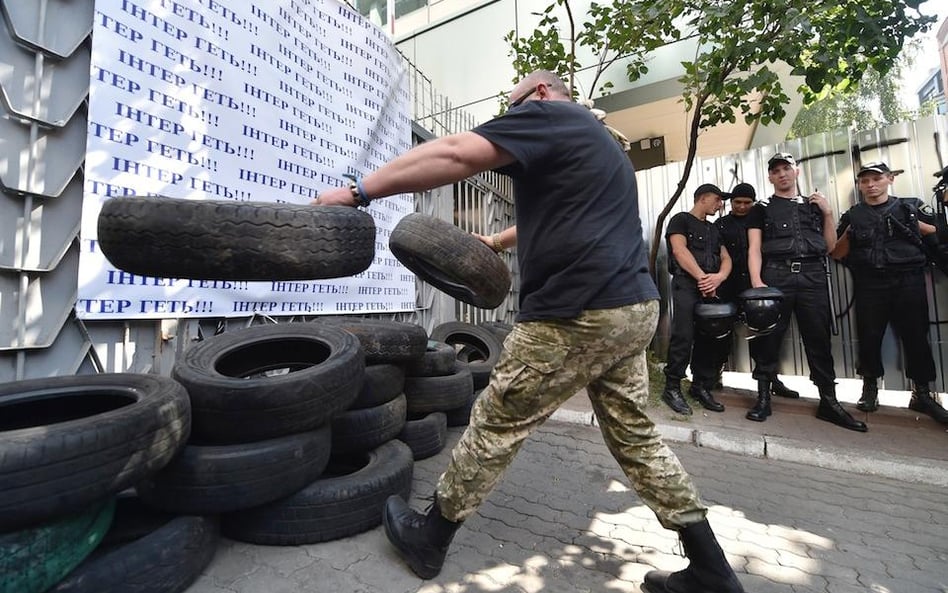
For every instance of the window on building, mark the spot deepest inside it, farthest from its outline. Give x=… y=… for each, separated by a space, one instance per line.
x=377 y=10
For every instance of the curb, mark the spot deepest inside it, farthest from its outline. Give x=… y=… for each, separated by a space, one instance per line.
x=909 y=469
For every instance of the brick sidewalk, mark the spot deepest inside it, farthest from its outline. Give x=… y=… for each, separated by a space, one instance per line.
x=563 y=520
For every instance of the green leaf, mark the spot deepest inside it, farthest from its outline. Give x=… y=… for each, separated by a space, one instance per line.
x=835 y=46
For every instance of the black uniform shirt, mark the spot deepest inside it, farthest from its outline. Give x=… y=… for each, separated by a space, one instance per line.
x=733 y=231
x=703 y=240
x=580 y=244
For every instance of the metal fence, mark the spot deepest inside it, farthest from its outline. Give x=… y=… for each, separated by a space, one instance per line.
x=828 y=162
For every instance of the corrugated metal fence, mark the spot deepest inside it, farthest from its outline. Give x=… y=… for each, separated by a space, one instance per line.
x=44 y=83
x=828 y=162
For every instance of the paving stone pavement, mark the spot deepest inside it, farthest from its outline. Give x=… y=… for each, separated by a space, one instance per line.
x=564 y=519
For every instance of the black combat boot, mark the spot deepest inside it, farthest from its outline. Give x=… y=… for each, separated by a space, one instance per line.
x=761 y=409
x=780 y=390
x=422 y=540
x=922 y=401
x=831 y=411
x=673 y=397
x=704 y=397
x=869 y=402
x=707 y=572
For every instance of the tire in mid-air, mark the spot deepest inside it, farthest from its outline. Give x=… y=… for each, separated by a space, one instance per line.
x=451 y=260
x=228 y=240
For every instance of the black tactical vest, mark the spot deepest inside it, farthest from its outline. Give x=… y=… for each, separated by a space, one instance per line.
x=733 y=231
x=884 y=237
x=704 y=243
x=792 y=230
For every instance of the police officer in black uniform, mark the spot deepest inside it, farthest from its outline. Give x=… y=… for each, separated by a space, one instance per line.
x=699 y=264
x=880 y=241
x=788 y=239
x=733 y=231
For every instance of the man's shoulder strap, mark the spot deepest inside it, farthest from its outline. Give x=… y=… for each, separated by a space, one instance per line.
x=912 y=203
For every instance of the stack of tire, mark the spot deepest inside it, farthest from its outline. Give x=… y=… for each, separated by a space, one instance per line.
x=70 y=449
x=272 y=448
x=392 y=351
x=281 y=434
x=435 y=385
x=441 y=387
x=500 y=329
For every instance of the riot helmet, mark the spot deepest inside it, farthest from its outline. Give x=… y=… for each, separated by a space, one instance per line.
x=760 y=309
x=715 y=319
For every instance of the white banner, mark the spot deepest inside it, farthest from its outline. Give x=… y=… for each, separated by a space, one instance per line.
x=254 y=101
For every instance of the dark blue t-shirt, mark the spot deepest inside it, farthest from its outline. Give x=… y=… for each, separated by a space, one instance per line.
x=579 y=236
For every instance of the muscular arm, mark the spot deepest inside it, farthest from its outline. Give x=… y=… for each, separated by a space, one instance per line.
x=754 y=259
x=709 y=284
x=841 y=248
x=439 y=162
x=436 y=163
x=829 y=231
x=726 y=264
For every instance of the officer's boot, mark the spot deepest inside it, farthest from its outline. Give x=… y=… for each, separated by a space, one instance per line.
x=704 y=397
x=923 y=401
x=673 y=397
x=707 y=572
x=869 y=402
x=761 y=409
x=422 y=540
x=780 y=390
x=831 y=411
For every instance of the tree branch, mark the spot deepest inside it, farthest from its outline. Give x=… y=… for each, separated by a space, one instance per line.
x=572 y=44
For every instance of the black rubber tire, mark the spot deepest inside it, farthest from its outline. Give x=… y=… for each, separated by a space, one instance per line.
x=450 y=259
x=67 y=443
x=229 y=240
x=133 y=520
x=477 y=346
x=34 y=559
x=500 y=329
x=480 y=374
x=382 y=384
x=207 y=480
x=425 y=436
x=357 y=431
x=439 y=394
x=383 y=340
x=462 y=416
x=439 y=360
x=237 y=398
x=332 y=507
x=167 y=558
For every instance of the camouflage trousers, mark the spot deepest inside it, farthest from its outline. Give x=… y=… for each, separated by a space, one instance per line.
x=546 y=362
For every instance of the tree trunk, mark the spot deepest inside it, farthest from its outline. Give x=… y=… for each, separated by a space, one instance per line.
x=686 y=174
